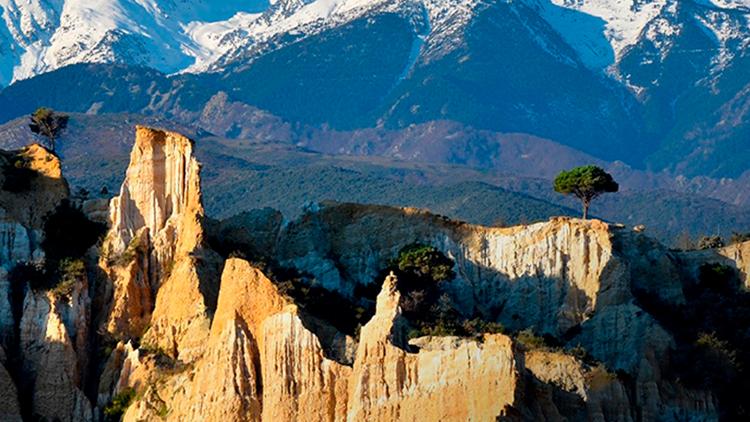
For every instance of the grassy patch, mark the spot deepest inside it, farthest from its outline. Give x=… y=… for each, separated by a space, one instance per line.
x=119 y=404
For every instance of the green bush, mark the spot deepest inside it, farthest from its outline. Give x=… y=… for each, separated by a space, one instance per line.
x=530 y=340
x=69 y=272
x=714 y=362
x=710 y=242
x=424 y=263
x=478 y=326
x=129 y=254
x=120 y=403
x=60 y=280
x=579 y=352
x=422 y=271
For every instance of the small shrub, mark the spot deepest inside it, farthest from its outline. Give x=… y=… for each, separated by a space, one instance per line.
x=70 y=271
x=439 y=329
x=714 y=362
x=421 y=270
x=120 y=403
x=530 y=340
x=128 y=255
x=425 y=262
x=162 y=359
x=579 y=352
x=710 y=242
x=237 y=254
x=709 y=341
x=162 y=411
x=60 y=281
x=478 y=326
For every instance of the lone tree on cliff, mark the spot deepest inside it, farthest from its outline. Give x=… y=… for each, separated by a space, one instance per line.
x=49 y=124
x=586 y=183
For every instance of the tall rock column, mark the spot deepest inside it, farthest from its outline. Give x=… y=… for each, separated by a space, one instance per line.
x=154 y=244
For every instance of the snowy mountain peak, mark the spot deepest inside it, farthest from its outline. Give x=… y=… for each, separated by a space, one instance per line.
x=174 y=36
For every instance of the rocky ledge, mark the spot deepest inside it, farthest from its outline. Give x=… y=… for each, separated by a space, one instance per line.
x=174 y=316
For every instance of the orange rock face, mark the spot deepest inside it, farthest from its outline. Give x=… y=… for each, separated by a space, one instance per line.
x=262 y=363
x=448 y=379
x=45 y=190
x=154 y=245
x=200 y=338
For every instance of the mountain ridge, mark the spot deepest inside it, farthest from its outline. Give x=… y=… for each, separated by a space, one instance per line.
x=672 y=103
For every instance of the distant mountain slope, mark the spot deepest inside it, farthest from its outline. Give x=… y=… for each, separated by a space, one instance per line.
x=503 y=178
x=659 y=85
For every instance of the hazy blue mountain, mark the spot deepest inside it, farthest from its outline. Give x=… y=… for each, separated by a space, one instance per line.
x=660 y=85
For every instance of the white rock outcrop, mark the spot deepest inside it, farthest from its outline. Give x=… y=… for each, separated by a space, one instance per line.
x=53 y=343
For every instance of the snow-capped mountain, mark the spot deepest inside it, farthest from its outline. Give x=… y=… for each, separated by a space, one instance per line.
x=41 y=35
x=173 y=36
x=662 y=83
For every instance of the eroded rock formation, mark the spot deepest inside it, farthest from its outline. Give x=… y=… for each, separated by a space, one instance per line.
x=53 y=344
x=739 y=255
x=263 y=363
x=569 y=278
x=447 y=379
x=32 y=184
x=153 y=251
x=186 y=339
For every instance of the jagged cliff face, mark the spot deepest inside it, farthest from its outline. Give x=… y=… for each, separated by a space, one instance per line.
x=263 y=363
x=18 y=243
x=197 y=337
x=739 y=254
x=569 y=278
x=53 y=343
x=551 y=276
x=161 y=189
x=448 y=378
x=43 y=185
x=736 y=256
x=152 y=251
x=566 y=277
x=43 y=334
x=31 y=186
